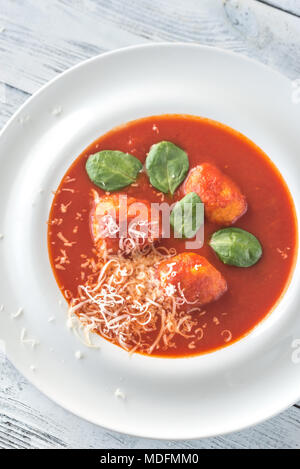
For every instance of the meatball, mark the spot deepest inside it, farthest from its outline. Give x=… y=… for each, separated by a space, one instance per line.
x=122 y=222
x=223 y=201
x=193 y=278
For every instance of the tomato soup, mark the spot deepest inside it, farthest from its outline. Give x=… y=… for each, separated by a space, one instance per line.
x=252 y=292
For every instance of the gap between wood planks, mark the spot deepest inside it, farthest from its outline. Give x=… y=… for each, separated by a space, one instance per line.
x=14 y=88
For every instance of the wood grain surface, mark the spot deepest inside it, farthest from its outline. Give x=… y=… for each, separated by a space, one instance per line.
x=41 y=39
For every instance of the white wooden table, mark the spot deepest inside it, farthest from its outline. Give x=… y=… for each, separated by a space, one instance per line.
x=41 y=38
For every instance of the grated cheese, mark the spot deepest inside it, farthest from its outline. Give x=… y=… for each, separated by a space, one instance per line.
x=124 y=302
x=64 y=207
x=283 y=252
x=24 y=119
x=57 y=111
x=62 y=238
x=216 y=321
x=78 y=355
x=227 y=335
x=120 y=394
x=32 y=342
x=68 y=179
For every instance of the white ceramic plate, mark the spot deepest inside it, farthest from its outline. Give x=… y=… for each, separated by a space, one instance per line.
x=180 y=398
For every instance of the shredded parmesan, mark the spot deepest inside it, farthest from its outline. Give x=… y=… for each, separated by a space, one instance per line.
x=57 y=111
x=283 y=252
x=24 y=340
x=62 y=238
x=227 y=335
x=123 y=301
x=17 y=314
x=216 y=321
x=65 y=189
x=68 y=179
x=120 y=394
x=64 y=207
x=78 y=355
x=23 y=119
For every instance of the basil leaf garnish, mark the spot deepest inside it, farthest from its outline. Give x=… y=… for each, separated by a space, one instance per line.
x=167 y=166
x=187 y=216
x=235 y=246
x=112 y=170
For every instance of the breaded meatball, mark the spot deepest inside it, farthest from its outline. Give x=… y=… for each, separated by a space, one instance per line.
x=224 y=203
x=122 y=222
x=193 y=278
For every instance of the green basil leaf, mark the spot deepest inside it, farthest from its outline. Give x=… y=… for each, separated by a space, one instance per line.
x=112 y=170
x=187 y=216
x=235 y=246
x=167 y=166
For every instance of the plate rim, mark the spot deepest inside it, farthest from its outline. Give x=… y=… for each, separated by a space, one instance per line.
x=43 y=89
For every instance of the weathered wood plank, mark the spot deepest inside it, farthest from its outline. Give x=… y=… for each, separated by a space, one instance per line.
x=50 y=36
x=10 y=100
x=271 y=35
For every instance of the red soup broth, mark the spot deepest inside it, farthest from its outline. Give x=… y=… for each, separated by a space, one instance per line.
x=252 y=292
